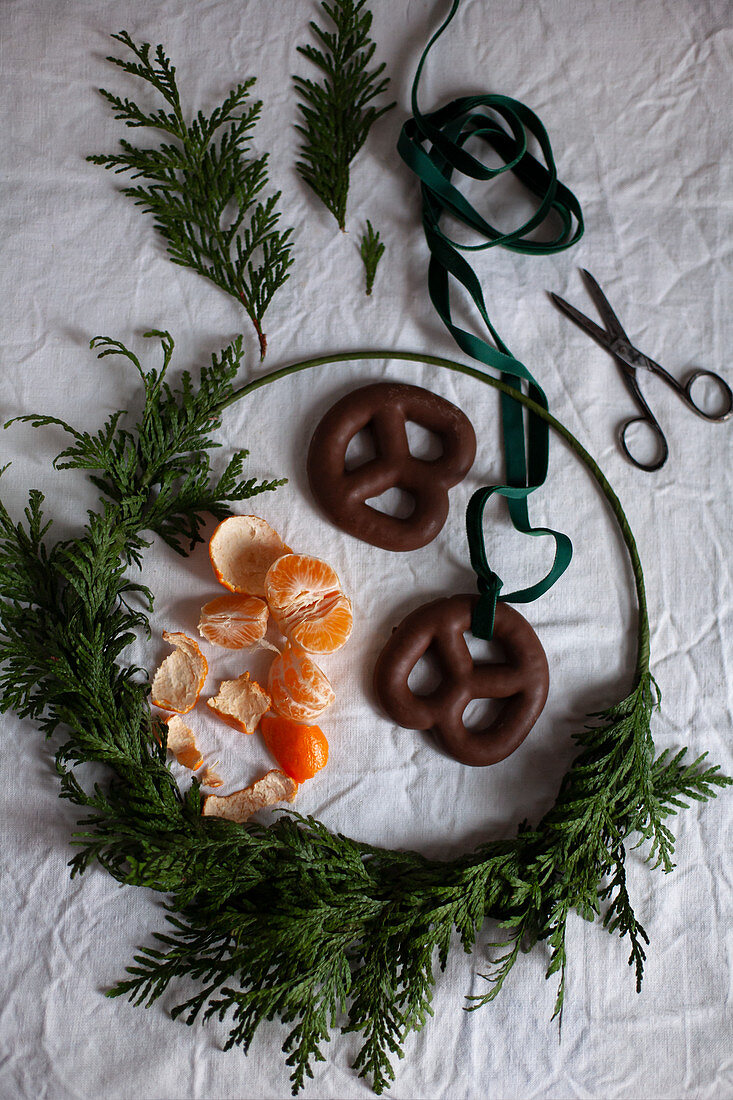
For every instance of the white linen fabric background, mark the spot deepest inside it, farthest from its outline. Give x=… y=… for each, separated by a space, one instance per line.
x=636 y=98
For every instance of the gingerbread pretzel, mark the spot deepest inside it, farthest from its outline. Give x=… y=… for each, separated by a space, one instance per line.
x=521 y=681
x=384 y=408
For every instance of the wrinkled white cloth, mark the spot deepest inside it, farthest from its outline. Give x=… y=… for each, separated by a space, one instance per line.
x=636 y=100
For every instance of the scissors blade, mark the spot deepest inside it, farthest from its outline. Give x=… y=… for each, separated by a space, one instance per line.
x=602 y=304
x=594 y=330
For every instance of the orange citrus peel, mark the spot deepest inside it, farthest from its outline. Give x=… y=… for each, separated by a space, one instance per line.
x=300 y=750
x=240 y=702
x=178 y=682
x=306 y=601
x=241 y=550
x=182 y=743
x=210 y=777
x=274 y=787
x=299 y=689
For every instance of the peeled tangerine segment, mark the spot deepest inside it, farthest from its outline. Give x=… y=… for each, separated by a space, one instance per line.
x=178 y=682
x=300 y=750
x=235 y=622
x=182 y=743
x=308 y=604
x=241 y=703
x=274 y=787
x=298 y=687
x=242 y=549
x=327 y=631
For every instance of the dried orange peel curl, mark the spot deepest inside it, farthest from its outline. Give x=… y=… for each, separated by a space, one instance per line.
x=300 y=750
x=241 y=703
x=178 y=682
x=241 y=550
x=210 y=777
x=274 y=787
x=182 y=743
x=307 y=602
x=299 y=689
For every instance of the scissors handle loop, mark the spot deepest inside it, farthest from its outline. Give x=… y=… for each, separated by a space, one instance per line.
x=724 y=390
x=662 y=448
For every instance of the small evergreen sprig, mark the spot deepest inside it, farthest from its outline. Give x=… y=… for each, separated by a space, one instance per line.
x=290 y=920
x=337 y=113
x=372 y=250
x=159 y=470
x=203 y=188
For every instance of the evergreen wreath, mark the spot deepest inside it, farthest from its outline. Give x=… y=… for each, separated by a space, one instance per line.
x=291 y=920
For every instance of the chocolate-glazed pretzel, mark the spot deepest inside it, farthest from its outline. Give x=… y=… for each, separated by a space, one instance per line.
x=384 y=408
x=522 y=680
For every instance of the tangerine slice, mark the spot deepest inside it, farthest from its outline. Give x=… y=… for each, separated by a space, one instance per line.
x=274 y=787
x=299 y=688
x=178 y=682
x=306 y=600
x=300 y=750
x=234 y=622
x=182 y=743
x=241 y=550
x=326 y=632
x=241 y=703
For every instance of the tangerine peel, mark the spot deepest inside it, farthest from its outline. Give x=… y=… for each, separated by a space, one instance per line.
x=273 y=787
x=242 y=549
x=240 y=702
x=178 y=681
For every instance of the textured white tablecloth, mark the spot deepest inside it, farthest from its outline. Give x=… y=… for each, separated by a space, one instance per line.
x=636 y=98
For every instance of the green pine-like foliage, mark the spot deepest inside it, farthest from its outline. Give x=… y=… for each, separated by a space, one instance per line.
x=371 y=251
x=337 y=112
x=289 y=920
x=202 y=186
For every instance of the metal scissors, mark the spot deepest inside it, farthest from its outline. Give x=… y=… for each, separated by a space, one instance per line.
x=630 y=359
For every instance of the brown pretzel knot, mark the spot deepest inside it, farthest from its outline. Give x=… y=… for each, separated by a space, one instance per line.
x=384 y=408
x=522 y=680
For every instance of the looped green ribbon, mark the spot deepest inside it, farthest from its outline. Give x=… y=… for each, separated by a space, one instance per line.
x=433 y=147
x=489 y=584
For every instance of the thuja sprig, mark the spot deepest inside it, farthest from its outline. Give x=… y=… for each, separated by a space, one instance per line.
x=371 y=250
x=291 y=920
x=158 y=471
x=202 y=186
x=337 y=112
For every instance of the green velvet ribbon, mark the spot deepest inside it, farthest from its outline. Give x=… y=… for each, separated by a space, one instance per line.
x=433 y=147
